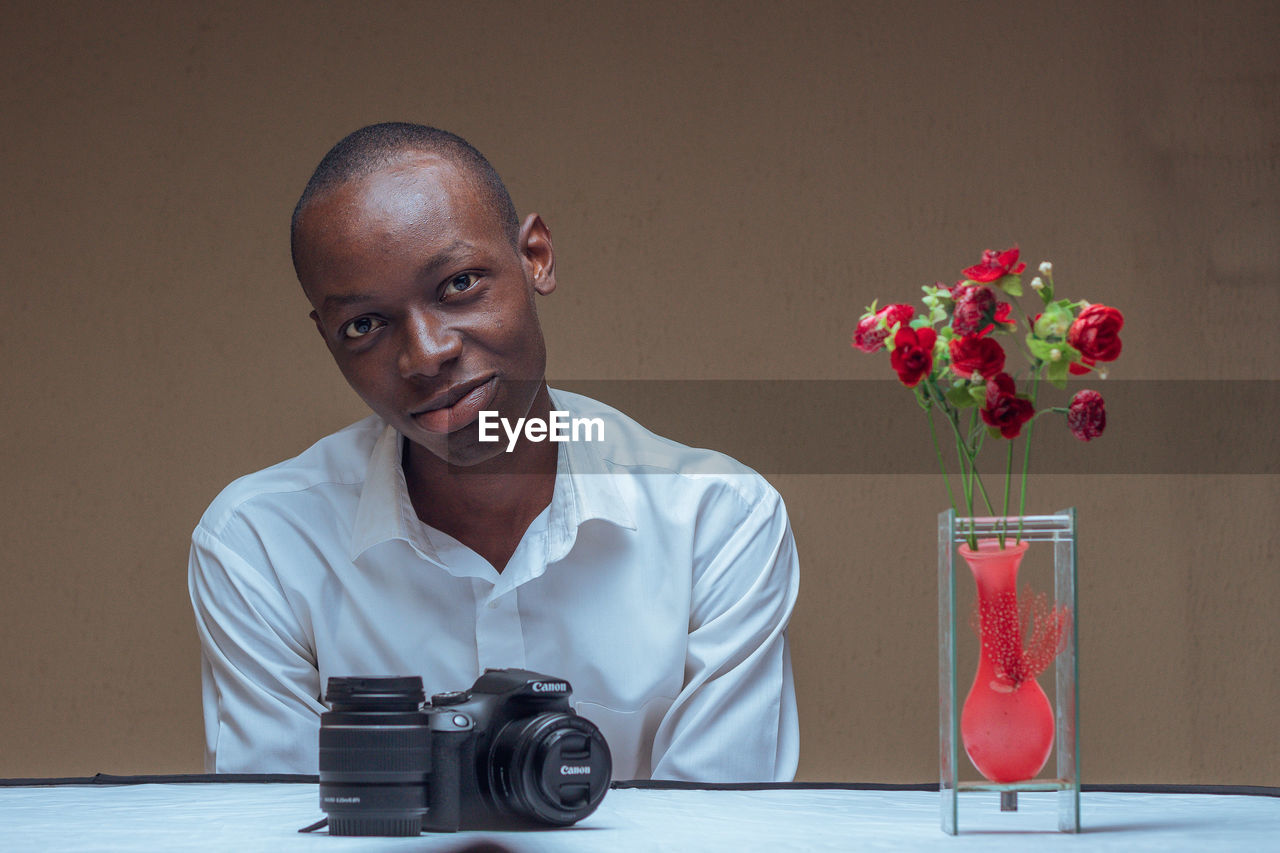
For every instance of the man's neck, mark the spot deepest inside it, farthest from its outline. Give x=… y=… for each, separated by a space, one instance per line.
x=489 y=506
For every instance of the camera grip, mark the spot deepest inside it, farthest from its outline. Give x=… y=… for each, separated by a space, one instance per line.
x=444 y=794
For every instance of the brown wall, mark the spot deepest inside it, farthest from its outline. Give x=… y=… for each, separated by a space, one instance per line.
x=729 y=185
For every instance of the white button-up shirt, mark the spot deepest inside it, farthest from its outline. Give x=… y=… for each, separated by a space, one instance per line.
x=658 y=582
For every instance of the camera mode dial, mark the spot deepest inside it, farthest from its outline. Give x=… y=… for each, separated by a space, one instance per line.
x=453 y=697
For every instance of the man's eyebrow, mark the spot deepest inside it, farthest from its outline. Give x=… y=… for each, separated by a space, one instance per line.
x=335 y=300
x=448 y=255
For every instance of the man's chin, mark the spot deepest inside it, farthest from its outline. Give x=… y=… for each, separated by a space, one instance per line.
x=463 y=452
x=461 y=447
x=470 y=458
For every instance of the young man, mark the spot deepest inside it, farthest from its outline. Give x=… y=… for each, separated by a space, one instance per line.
x=657 y=579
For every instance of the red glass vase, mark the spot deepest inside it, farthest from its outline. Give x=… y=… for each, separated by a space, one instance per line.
x=1007 y=722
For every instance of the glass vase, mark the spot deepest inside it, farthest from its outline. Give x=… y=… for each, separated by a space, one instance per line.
x=1007 y=723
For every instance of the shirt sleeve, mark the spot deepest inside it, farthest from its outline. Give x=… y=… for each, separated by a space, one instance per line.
x=261 y=687
x=735 y=718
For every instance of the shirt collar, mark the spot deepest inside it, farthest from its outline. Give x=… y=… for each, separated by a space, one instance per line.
x=585 y=489
x=385 y=511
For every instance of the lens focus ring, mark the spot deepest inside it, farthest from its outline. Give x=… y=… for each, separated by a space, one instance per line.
x=391 y=750
x=375 y=757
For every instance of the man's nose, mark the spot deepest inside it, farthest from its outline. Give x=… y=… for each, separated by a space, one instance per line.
x=426 y=345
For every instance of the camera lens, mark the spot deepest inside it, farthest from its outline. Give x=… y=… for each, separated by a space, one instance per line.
x=375 y=755
x=552 y=768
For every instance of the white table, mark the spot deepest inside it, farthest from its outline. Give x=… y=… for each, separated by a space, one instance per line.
x=242 y=817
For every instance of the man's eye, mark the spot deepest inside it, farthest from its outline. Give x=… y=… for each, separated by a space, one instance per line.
x=460 y=282
x=360 y=327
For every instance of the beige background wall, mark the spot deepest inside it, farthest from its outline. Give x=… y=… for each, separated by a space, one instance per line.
x=729 y=185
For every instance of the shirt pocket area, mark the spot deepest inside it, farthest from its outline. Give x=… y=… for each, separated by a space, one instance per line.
x=628 y=733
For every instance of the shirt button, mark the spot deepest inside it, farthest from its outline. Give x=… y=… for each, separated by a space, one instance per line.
x=493 y=605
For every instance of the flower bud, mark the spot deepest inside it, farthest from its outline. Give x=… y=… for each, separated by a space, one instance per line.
x=1087 y=415
x=1036 y=284
x=1046 y=268
x=1055 y=354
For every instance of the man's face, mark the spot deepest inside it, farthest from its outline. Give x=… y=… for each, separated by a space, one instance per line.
x=426 y=306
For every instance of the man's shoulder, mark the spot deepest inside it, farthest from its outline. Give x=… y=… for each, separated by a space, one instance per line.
x=338 y=459
x=629 y=448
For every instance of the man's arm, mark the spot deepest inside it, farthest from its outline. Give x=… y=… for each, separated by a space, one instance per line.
x=260 y=683
x=735 y=720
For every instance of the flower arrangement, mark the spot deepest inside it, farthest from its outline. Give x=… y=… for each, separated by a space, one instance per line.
x=951 y=356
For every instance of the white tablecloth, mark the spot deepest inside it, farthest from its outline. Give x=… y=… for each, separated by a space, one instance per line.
x=242 y=817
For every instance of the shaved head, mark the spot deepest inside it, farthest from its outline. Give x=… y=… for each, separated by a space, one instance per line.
x=377 y=145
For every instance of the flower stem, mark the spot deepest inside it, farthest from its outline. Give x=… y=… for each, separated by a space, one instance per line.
x=933 y=434
x=1004 y=515
x=966 y=477
x=1026 y=451
x=967 y=448
x=973 y=462
x=985 y=497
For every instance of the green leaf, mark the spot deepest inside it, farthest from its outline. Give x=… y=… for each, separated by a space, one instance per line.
x=979 y=394
x=1055 y=321
x=960 y=397
x=1010 y=284
x=994 y=432
x=1057 y=373
x=1042 y=349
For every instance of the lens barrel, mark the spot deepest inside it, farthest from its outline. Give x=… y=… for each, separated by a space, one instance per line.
x=552 y=768
x=375 y=756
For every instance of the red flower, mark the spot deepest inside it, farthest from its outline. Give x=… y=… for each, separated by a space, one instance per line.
x=1096 y=333
x=994 y=265
x=974 y=305
x=1004 y=409
x=972 y=354
x=1087 y=415
x=869 y=337
x=1081 y=367
x=912 y=354
x=1002 y=318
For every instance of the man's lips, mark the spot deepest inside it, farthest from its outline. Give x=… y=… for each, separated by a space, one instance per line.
x=455 y=407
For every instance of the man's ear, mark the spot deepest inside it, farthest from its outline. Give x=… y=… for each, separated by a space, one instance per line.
x=315 y=318
x=537 y=253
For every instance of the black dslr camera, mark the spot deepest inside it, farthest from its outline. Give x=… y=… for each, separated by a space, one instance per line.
x=509 y=752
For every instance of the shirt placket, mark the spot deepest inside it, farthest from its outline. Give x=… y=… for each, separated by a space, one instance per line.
x=499 y=631
x=499 y=634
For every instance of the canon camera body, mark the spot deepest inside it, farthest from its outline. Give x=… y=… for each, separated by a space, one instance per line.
x=507 y=752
